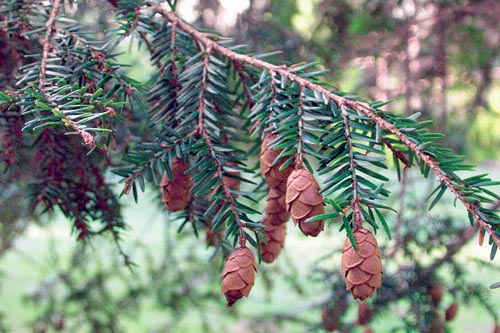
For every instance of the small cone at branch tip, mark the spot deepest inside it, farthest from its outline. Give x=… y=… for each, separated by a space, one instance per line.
x=175 y=192
x=365 y=314
x=451 y=312
x=362 y=269
x=304 y=201
x=272 y=173
x=275 y=240
x=329 y=319
x=238 y=275
x=481 y=237
x=437 y=292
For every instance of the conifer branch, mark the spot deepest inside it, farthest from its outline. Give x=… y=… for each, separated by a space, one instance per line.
x=358 y=106
x=202 y=131
x=431 y=163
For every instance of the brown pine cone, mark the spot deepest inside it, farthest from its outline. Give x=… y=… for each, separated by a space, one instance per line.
x=273 y=175
x=437 y=292
x=175 y=192
x=363 y=268
x=451 y=312
x=303 y=201
x=275 y=236
x=276 y=207
x=436 y=325
x=365 y=314
x=329 y=319
x=238 y=275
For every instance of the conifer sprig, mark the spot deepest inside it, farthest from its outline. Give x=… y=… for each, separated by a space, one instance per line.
x=420 y=149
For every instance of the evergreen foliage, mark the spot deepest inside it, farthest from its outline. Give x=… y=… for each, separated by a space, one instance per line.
x=208 y=102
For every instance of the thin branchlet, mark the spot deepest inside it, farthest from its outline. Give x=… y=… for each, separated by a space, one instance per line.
x=202 y=131
x=352 y=165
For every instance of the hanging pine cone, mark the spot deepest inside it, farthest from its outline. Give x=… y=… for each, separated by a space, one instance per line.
x=276 y=207
x=436 y=325
x=303 y=201
x=451 y=312
x=238 y=275
x=275 y=236
x=276 y=182
x=437 y=292
x=363 y=268
x=275 y=178
x=365 y=314
x=329 y=319
x=175 y=192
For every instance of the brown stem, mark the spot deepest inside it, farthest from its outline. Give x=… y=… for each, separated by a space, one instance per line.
x=299 y=161
x=399 y=155
x=46 y=42
x=358 y=221
x=358 y=106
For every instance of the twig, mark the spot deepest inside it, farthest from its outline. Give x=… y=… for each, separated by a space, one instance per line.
x=358 y=106
x=399 y=155
x=46 y=42
x=300 y=124
x=358 y=221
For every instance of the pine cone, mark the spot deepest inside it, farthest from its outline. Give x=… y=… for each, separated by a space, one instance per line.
x=437 y=292
x=274 y=176
x=303 y=201
x=329 y=319
x=238 y=275
x=276 y=207
x=436 y=325
x=451 y=312
x=363 y=268
x=275 y=236
x=175 y=192
x=365 y=314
